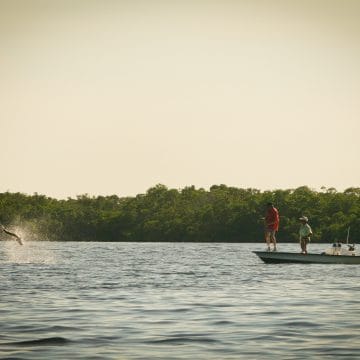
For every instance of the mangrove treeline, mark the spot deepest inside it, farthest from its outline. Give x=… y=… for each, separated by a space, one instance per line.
x=222 y=213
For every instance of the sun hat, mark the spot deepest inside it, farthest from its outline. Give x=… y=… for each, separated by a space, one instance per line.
x=304 y=218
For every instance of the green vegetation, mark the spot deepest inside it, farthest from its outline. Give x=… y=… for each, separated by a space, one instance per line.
x=223 y=213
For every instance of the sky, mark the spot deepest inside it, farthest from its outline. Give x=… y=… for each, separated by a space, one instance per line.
x=114 y=97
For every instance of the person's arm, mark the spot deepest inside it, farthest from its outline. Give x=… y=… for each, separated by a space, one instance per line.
x=307 y=232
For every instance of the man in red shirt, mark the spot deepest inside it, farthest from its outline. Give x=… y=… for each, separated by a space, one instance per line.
x=271 y=225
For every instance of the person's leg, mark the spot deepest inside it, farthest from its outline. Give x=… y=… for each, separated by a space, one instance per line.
x=302 y=245
x=273 y=239
x=267 y=239
x=305 y=246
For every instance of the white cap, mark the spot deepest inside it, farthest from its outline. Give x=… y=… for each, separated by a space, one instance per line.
x=304 y=218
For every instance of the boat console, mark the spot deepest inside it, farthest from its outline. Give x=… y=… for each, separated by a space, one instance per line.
x=341 y=249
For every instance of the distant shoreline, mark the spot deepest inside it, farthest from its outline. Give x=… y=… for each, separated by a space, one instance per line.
x=221 y=214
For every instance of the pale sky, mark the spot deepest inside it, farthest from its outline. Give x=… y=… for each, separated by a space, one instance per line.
x=113 y=97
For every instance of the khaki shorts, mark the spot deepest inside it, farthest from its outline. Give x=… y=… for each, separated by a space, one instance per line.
x=305 y=240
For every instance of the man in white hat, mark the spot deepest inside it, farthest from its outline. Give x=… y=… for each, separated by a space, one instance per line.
x=305 y=232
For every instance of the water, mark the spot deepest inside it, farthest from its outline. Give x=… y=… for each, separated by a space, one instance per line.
x=172 y=301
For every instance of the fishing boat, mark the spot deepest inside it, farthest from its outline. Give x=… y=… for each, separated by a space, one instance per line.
x=338 y=253
x=323 y=258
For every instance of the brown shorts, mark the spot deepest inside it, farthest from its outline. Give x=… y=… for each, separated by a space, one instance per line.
x=305 y=240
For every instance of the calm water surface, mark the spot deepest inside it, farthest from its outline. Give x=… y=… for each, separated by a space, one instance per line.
x=172 y=301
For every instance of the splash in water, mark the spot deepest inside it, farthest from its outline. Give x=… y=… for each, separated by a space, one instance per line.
x=13 y=235
x=32 y=252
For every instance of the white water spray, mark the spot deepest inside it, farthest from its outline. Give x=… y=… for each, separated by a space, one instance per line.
x=32 y=251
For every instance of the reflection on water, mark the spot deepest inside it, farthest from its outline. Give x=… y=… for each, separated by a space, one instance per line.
x=172 y=301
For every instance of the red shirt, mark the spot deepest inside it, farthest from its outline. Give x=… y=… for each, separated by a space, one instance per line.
x=272 y=219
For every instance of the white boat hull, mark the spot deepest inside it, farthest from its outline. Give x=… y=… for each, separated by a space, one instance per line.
x=288 y=257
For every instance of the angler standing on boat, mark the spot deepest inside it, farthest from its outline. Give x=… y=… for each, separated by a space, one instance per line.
x=271 y=225
x=305 y=232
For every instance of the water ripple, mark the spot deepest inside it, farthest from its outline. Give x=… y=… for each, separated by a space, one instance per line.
x=40 y=342
x=172 y=301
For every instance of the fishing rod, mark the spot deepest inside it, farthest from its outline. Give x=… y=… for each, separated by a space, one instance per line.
x=347 y=237
x=18 y=239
